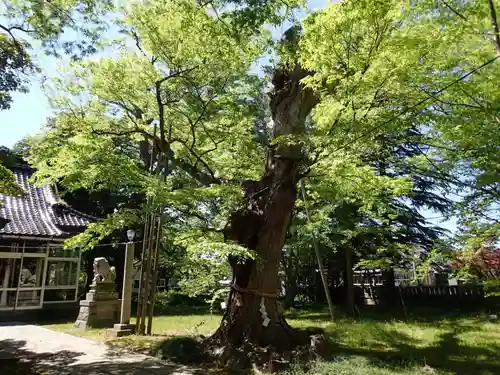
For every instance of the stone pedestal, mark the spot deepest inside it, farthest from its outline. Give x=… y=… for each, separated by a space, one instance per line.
x=100 y=308
x=120 y=330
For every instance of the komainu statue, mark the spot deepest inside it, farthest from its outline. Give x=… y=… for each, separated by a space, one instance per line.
x=103 y=273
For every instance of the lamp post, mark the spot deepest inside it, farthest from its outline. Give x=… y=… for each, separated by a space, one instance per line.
x=124 y=327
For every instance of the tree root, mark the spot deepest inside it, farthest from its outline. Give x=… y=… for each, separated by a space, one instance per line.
x=247 y=355
x=213 y=351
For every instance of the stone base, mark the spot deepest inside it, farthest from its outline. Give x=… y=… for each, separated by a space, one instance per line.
x=120 y=330
x=102 y=292
x=98 y=314
x=101 y=308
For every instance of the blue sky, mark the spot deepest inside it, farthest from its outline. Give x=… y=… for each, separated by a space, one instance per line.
x=26 y=116
x=29 y=112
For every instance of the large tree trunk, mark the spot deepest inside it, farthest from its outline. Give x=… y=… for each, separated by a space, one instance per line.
x=261 y=225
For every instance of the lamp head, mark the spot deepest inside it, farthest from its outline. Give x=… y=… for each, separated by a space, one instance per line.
x=130 y=234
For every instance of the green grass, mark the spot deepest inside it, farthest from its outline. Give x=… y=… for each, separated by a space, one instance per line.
x=375 y=344
x=163 y=326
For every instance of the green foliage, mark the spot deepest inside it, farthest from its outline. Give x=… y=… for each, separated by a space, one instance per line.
x=173 y=298
x=438 y=256
x=403 y=72
x=8 y=185
x=26 y=22
x=196 y=74
x=46 y=21
x=492 y=288
x=16 y=65
x=399 y=99
x=100 y=230
x=201 y=275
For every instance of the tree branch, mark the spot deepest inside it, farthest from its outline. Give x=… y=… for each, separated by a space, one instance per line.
x=454 y=10
x=16 y=27
x=137 y=40
x=450 y=103
x=122 y=133
x=494 y=24
x=198 y=160
x=200 y=176
x=9 y=31
x=161 y=104
x=163 y=146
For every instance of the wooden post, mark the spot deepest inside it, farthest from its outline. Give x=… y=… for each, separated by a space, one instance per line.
x=154 y=277
x=149 y=268
x=349 y=280
x=494 y=25
x=147 y=279
x=19 y=276
x=140 y=294
x=5 y=284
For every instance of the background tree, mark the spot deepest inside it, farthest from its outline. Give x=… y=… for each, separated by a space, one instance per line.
x=8 y=184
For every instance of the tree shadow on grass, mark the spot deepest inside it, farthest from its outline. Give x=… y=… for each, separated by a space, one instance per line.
x=447 y=353
x=368 y=314
x=16 y=359
x=384 y=346
x=189 y=351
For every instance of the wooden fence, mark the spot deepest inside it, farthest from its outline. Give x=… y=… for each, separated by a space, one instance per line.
x=457 y=290
x=460 y=295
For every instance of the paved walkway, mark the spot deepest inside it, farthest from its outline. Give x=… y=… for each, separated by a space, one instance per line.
x=30 y=350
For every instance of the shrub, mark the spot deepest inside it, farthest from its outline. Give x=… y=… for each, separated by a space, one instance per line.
x=165 y=300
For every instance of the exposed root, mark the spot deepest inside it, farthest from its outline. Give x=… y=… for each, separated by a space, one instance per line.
x=214 y=351
x=264 y=359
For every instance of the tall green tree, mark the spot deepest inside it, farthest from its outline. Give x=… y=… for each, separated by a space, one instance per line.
x=185 y=99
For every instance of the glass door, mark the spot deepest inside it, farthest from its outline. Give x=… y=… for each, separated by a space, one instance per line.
x=29 y=293
x=9 y=274
x=61 y=275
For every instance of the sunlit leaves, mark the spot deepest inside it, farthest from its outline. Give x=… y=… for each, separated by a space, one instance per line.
x=387 y=74
x=99 y=230
x=183 y=36
x=46 y=21
x=16 y=65
x=184 y=93
x=8 y=185
x=26 y=22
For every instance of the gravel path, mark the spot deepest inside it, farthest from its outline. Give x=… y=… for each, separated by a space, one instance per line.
x=30 y=350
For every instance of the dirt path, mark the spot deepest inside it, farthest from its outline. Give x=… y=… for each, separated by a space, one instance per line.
x=30 y=350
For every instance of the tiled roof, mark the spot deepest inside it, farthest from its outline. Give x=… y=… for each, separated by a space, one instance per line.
x=39 y=212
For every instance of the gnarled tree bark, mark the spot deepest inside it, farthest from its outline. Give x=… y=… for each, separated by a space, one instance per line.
x=261 y=225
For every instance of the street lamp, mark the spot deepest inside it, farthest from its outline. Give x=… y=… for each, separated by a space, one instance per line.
x=124 y=327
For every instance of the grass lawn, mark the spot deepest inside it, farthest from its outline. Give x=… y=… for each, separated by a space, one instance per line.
x=375 y=344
